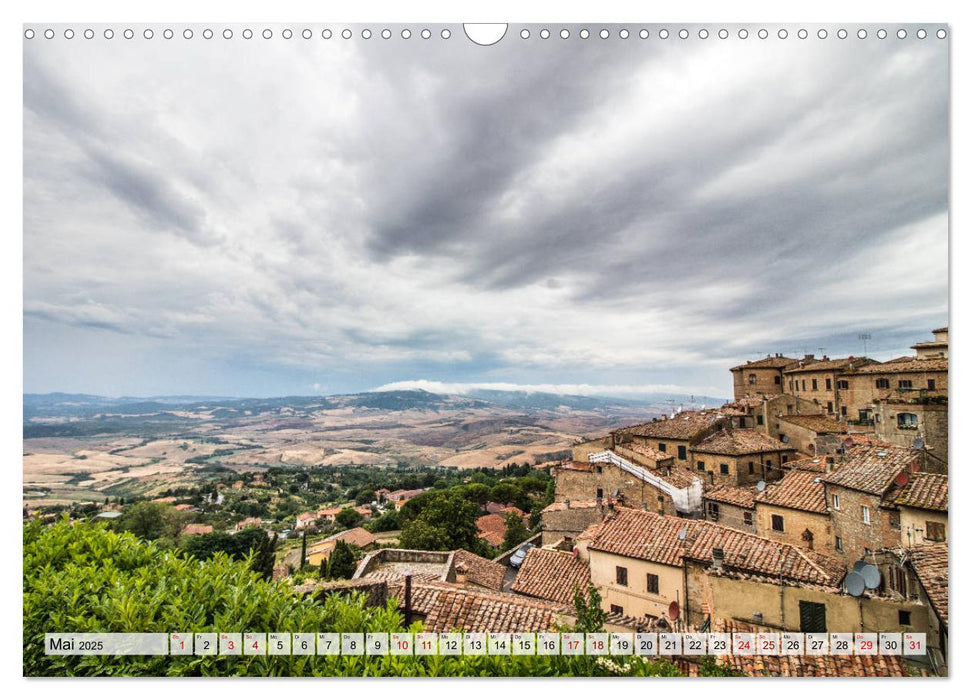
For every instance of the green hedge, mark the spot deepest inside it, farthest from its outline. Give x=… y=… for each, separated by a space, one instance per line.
x=81 y=577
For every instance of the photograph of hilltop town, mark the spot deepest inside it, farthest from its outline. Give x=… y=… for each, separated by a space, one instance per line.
x=626 y=336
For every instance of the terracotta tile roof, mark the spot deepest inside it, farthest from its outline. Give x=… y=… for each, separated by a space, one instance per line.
x=557 y=506
x=930 y=565
x=739 y=442
x=652 y=537
x=324 y=512
x=480 y=571
x=249 y=522
x=766 y=363
x=747 y=402
x=741 y=496
x=447 y=607
x=942 y=329
x=817 y=423
x=809 y=464
x=551 y=575
x=828 y=666
x=647 y=451
x=356 y=536
x=196 y=529
x=828 y=365
x=903 y=366
x=799 y=490
x=678 y=476
x=684 y=426
x=575 y=466
x=492 y=528
x=927 y=491
x=871 y=468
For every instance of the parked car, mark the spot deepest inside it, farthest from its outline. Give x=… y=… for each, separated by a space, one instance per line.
x=517 y=559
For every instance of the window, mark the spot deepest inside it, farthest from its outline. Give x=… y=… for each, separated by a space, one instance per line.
x=866 y=514
x=905 y=384
x=803 y=384
x=935 y=531
x=829 y=384
x=662 y=447
x=751 y=467
x=600 y=493
x=903 y=617
x=723 y=468
x=895 y=520
x=713 y=512
x=812 y=616
x=907 y=421
x=778 y=524
x=815 y=385
x=653 y=584
x=747 y=517
x=782 y=437
x=829 y=407
x=616 y=609
x=701 y=466
x=752 y=379
x=842 y=410
x=622 y=575
x=839 y=543
x=836 y=501
x=768 y=464
x=842 y=384
x=759 y=419
x=931 y=385
x=682 y=452
x=790 y=385
x=599 y=469
x=778 y=379
x=883 y=384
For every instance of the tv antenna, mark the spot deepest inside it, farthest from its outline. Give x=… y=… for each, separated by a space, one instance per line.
x=864 y=337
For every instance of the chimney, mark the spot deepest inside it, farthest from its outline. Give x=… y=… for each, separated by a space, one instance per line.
x=809 y=357
x=461 y=574
x=830 y=462
x=717 y=558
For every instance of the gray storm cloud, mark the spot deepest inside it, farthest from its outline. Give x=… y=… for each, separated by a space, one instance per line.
x=259 y=217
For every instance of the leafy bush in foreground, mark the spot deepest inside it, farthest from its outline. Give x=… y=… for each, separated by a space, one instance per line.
x=82 y=577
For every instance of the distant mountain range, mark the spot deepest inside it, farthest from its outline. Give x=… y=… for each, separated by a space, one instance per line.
x=81 y=406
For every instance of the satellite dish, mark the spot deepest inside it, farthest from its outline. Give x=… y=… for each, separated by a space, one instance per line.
x=760 y=486
x=902 y=479
x=918 y=444
x=855 y=585
x=858 y=566
x=682 y=534
x=674 y=610
x=871 y=576
x=784 y=439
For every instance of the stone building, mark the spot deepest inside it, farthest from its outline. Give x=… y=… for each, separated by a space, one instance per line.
x=794 y=511
x=920 y=574
x=760 y=376
x=731 y=506
x=921 y=419
x=673 y=436
x=860 y=494
x=903 y=378
x=934 y=349
x=739 y=457
x=923 y=510
x=809 y=434
x=567 y=519
x=817 y=380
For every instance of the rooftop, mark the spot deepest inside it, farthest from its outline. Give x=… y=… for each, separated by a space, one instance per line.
x=903 y=366
x=741 y=496
x=492 y=528
x=480 y=571
x=810 y=464
x=871 y=468
x=551 y=575
x=739 y=442
x=930 y=565
x=926 y=491
x=684 y=426
x=798 y=490
x=770 y=362
x=652 y=537
x=557 y=506
x=820 y=423
x=827 y=365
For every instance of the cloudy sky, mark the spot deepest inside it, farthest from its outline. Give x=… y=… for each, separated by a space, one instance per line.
x=268 y=217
